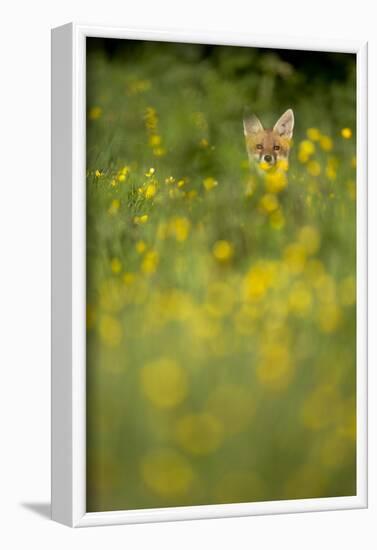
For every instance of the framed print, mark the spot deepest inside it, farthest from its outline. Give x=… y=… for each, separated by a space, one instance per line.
x=209 y=278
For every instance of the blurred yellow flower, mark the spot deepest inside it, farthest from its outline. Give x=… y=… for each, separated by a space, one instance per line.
x=116 y=265
x=110 y=330
x=141 y=219
x=140 y=247
x=275 y=181
x=150 y=191
x=164 y=383
x=150 y=262
x=346 y=133
x=95 y=113
x=170 y=180
x=223 y=251
x=150 y=172
x=98 y=173
x=277 y=219
x=313 y=134
x=179 y=227
x=159 y=151
x=199 y=434
x=210 y=183
x=128 y=278
x=269 y=203
x=154 y=140
x=306 y=149
x=326 y=143
x=259 y=279
x=167 y=473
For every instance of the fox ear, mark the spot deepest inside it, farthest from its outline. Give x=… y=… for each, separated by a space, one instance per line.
x=284 y=126
x=252 y=125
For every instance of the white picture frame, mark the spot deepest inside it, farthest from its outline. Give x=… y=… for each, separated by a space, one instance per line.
x=68 y=279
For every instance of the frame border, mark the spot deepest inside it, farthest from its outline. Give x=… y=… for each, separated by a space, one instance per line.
x=68 y=387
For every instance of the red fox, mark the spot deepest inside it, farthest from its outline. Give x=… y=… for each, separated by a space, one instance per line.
x=269 y=148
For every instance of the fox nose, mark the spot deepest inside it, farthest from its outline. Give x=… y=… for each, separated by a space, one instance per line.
x=267 y=158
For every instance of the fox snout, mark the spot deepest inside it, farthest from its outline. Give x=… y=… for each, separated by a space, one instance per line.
x=269 y=146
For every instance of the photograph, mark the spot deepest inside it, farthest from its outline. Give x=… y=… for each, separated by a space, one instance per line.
x=220 y=274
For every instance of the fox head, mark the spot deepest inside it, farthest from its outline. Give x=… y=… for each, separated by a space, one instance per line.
x=270 y=146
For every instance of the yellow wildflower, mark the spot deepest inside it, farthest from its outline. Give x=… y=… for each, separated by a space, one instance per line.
x=275 y=181
x=269 y=203
x=326 y=143
x=210 y=183
x=141 y=219
x=346 y=133
x=313 y=134
x=150 y=262
x=150 y=172
x=140 y=247
x=150 y=191
x=223 y=251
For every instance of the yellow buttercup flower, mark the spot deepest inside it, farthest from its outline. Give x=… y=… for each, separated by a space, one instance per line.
x=269 y=203
x=223 y=251
x=141 y=219
x=140 y=247
x=150 y=262
x=313 y=134
x=210 y=183
x=346 y=133
x=150 y=191
x=326 y=143
x=179 y=227
x=275 y=181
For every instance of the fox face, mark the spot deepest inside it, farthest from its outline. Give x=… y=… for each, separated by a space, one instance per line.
x=268 y=147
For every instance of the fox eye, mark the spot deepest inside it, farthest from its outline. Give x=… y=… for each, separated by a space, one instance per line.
x=259 y=146
x=276 y=147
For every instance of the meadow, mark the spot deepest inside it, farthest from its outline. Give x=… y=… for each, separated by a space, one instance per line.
x=221 y=315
